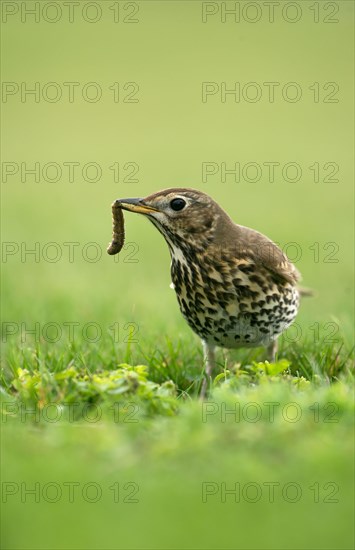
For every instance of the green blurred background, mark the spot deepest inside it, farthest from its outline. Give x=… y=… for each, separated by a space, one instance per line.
x=169 y=52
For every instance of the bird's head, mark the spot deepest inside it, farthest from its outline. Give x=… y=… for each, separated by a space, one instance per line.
x=184 y=216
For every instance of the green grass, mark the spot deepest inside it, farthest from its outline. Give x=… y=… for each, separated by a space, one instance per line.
x=174 y=456
x=278 y=436
x=177 y=360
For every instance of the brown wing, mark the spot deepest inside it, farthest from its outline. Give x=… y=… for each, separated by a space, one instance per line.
x=254 y=246
x=263 y=251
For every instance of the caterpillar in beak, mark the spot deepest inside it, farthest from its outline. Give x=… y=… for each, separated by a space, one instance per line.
x=118 y=230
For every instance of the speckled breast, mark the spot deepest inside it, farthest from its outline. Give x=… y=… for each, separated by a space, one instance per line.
x=238 y=305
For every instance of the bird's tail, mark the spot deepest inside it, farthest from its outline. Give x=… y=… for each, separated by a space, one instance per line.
x=306 y=291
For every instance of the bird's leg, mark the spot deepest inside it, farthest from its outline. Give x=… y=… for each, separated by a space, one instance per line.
x=209 y=364
x=226 y=358
x=271 y=351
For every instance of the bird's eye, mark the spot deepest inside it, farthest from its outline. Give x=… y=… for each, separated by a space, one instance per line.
x=177 y=204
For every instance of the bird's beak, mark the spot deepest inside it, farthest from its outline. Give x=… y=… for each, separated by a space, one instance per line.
x=135 y=205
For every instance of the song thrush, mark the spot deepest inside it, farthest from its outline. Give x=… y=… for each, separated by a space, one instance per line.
x=234 y=286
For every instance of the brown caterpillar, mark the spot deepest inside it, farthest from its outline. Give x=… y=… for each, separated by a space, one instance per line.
x=118 y=230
